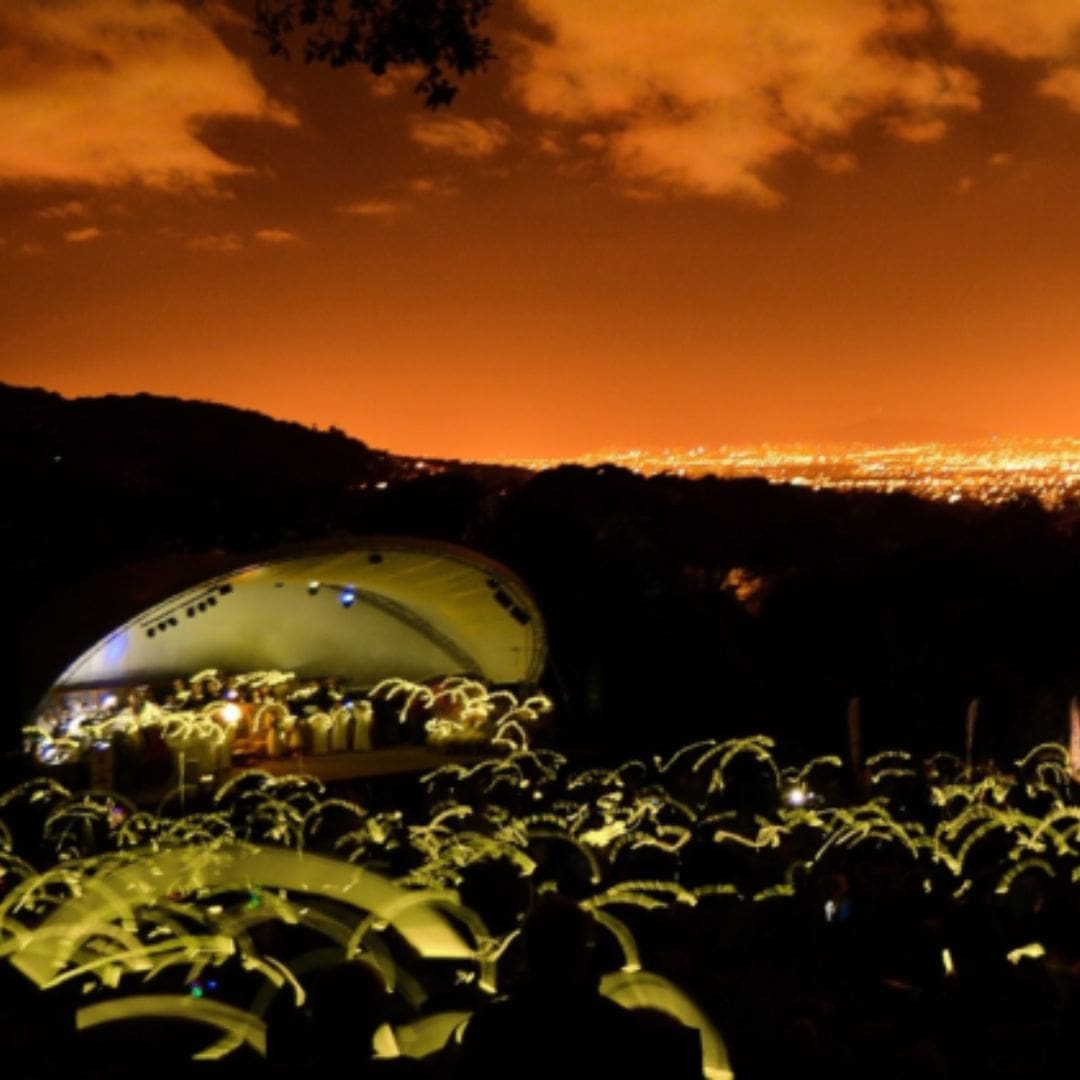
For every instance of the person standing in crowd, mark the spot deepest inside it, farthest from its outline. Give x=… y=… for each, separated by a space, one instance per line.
x=558 y=1024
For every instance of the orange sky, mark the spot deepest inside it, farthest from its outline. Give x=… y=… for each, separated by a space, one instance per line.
x=652 y=223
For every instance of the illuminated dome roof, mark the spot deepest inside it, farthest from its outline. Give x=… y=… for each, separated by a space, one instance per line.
x=382 y=606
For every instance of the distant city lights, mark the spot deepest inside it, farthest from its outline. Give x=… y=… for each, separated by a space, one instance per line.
x=991 y=471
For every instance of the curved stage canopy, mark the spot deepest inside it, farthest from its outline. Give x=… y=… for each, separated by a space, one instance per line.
x=381 y=607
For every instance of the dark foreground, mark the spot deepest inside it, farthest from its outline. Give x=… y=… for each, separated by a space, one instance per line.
x=920 y=921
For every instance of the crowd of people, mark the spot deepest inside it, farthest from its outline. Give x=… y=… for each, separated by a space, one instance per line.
x=206 y=724
x=710 y=912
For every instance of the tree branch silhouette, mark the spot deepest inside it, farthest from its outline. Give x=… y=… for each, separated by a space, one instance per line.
x=442 y=37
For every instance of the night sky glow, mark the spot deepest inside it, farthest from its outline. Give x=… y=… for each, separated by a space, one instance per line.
x=647 y=224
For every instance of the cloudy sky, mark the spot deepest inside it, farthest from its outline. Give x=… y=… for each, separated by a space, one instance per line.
x=649 y=223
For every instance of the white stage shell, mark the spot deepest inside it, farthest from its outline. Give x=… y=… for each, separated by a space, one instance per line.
x=418 y=609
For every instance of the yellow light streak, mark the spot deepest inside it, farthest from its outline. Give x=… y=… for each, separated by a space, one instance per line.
x=237 y=1025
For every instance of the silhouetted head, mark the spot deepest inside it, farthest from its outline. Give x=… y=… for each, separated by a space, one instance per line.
x=347 y=1003
x=559 y=938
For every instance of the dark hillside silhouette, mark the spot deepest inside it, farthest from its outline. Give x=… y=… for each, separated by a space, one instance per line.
x=675 y=608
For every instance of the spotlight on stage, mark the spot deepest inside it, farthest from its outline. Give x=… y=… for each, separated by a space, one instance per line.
x=347 y=596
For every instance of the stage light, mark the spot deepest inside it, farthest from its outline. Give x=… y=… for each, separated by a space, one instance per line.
x=231 y=713
x=347 y=596
x=312 y=587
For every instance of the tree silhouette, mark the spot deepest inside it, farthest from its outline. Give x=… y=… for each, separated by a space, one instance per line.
x=442 y=37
